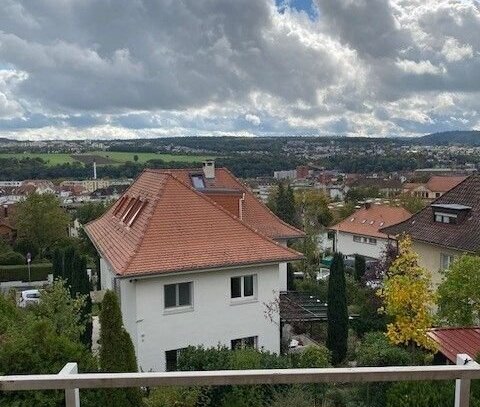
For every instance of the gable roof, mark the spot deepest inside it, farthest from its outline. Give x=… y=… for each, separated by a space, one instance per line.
x=464 y=236
x=177 y=229
x=452 y=341
x=367 y=222
x=443 y=184
x=254 y=213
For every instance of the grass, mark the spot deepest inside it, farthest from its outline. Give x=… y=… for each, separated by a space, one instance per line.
x=116 y=156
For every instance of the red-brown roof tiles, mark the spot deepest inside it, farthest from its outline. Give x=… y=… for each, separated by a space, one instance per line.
x=452 y=341
x=443 y=184
x=178 y=229
x=367 y=222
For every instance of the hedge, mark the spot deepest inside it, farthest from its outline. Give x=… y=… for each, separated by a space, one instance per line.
x=39 y=272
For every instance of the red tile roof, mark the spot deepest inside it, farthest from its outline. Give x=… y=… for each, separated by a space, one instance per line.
x=255 y=213
x=443 y=184
x=367 y=222
x=452 y=341
x=178 y=229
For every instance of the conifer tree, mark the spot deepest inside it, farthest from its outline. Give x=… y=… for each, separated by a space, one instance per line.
x=117 y=353
x=360 y=267
x=337 y=312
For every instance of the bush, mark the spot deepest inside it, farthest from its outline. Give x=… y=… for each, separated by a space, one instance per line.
x=174 y=396
x=11 y=258
x=421 y=394
x=314 y=356
x=376 y=350
x=38 y=272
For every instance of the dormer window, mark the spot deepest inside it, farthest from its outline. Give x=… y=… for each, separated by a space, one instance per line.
x=198 y=182
x=450 y=213
x=445 y=217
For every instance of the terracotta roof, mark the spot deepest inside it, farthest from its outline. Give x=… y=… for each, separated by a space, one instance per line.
x=367 y=222
x=255 y=213
x=452 y=341
x=176 y=229
x=443 y=184
x=464 y=236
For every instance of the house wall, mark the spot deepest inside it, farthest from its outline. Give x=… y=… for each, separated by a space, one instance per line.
x=346 y=245
x=214 y=319
x=430 y=258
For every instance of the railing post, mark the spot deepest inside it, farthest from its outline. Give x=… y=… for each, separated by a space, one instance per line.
x=72 y=396
x=462 y=386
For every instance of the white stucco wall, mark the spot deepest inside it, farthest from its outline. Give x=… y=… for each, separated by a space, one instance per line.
x=347 y=246
x=215 y=318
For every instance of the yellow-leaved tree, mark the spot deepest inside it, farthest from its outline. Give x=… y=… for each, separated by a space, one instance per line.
x=408 y=299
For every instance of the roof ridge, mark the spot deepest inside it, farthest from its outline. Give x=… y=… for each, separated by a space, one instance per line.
x=231 y=215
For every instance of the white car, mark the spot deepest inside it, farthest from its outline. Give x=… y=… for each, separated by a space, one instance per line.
x=29 y=297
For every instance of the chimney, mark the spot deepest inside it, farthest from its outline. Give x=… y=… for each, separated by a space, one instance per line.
x=209 y=169
x=368 y=204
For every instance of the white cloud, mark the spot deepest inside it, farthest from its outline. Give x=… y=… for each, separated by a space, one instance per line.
x=374 y=67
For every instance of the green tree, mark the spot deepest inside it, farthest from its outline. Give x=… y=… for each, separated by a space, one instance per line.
x=313 y=209
x=285 y=204
x=337 y=313
x=41 y=222
x=412 y=204
x=135 y=158
x=62 y=310
x=459 y=293
x=117 y=353
x=360 y=267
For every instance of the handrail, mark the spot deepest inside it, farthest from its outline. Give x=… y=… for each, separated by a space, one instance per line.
x=239 y=377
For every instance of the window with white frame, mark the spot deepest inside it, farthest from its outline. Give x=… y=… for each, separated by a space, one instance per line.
x=363 y=239
x=441 y=217
x=242 y=343
x=178 y=295
x=243 y=286
x=446 y=261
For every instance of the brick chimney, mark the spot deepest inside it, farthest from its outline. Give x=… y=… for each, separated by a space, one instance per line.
x=209 y=169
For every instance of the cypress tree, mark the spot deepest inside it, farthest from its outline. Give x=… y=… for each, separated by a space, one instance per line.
x=281 y=201
x=57 y=263
x=117 y=353
x=337 y=312
x=290 y=206
x=360 y=267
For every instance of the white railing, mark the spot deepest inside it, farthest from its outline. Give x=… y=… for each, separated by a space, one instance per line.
x=69 y=380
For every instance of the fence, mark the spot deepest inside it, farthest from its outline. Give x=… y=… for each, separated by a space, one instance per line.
x=69 y=380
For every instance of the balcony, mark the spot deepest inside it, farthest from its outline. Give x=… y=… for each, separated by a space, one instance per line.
x=69 y=380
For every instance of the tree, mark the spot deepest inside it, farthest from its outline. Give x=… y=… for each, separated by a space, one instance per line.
x=360 y=267
x=409 y=299
x=285 y=204
x=62 y=310
x=459 y=293
x=313 y=209
x=41 y=222
x=412 y=204
x=337 y=312
x=117 y=353
x=135 y=158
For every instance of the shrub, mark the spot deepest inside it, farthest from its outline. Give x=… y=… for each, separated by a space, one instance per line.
x=376 y=350
x=38 y=272
x=421 y=394
x=314 y=356
x=11 y=258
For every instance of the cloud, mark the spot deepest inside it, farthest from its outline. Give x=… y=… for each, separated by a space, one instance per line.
x=259 y=67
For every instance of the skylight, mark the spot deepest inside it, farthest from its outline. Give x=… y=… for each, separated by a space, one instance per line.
x=198 y=182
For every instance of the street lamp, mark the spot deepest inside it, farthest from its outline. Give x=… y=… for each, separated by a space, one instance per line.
x=29 y=260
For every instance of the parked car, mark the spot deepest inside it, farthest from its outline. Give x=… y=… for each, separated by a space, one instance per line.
x=29 y=297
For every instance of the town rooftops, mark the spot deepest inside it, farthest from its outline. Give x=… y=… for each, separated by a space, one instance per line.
x=160 y=225
x=453 y=341
x=368 y=220
x=224 y=188
x=462 y=202
x=443 y=184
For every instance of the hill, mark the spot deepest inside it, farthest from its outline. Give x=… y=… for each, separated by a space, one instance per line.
x=467 y=138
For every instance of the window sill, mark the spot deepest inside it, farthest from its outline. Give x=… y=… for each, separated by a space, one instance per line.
x=241 y=301
x=177 y=310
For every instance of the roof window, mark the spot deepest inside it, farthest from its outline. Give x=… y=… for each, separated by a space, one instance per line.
x=198 y=182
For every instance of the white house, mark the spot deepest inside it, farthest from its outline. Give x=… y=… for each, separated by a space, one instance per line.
x=186 y=269
x=359 y=233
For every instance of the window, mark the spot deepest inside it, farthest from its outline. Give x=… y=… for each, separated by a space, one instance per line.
x=198 y=181
x=371 y=240
x=437 y=194
x=171 y=359
x=243 y=287
x=357 y=239
x=178 y=295
x=441 y=217
x=362 y=239
x=242 y=343
x=446 y=261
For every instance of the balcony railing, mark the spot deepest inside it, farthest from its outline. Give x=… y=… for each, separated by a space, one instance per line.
x=69 y=380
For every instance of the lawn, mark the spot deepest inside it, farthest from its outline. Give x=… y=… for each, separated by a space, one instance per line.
x=116 y=157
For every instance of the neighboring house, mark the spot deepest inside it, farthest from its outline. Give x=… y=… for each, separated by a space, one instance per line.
x=446 y=228
x=388 y=187
x=434 y=188
x=360 y=234
x=180 y=250
x=453 y=341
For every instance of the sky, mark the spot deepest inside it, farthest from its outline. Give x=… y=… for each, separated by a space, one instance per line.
x=104 y=69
